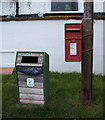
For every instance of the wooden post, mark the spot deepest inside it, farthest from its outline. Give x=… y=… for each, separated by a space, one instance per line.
x=87 y=53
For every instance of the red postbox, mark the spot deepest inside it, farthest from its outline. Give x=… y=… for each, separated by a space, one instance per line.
x=73 y=36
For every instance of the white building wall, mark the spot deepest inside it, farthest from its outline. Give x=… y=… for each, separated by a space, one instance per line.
x=98 y=46
x=0 y=43
x=47 y=36
x=104 y=43
x=8 y=58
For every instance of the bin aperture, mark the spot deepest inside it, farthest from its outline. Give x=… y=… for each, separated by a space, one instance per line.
x=32 y=79
x=28 y=59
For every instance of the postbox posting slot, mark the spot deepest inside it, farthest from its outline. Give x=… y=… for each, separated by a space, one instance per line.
x=29 y=59
x=72 y=29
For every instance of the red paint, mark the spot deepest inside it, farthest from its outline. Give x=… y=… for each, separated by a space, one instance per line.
x=73 y=34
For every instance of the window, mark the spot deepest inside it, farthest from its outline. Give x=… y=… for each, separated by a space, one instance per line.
x=69 y=5
x=13 y=8
x=8 y=8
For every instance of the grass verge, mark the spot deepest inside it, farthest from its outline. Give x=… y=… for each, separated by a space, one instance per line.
x=64 y=99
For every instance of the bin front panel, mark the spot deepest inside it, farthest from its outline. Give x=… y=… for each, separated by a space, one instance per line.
x=31 y=93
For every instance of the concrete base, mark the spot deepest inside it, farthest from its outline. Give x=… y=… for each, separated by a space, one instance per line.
x=6 y=70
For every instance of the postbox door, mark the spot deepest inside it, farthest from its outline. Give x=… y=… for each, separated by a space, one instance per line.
x=73 y=51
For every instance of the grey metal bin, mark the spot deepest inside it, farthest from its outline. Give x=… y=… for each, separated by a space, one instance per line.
x=32 y=71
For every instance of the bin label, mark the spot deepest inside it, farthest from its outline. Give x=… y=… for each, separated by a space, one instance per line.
x=30 y=82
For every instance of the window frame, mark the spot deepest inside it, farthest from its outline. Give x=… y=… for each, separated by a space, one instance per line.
x=80 y=8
